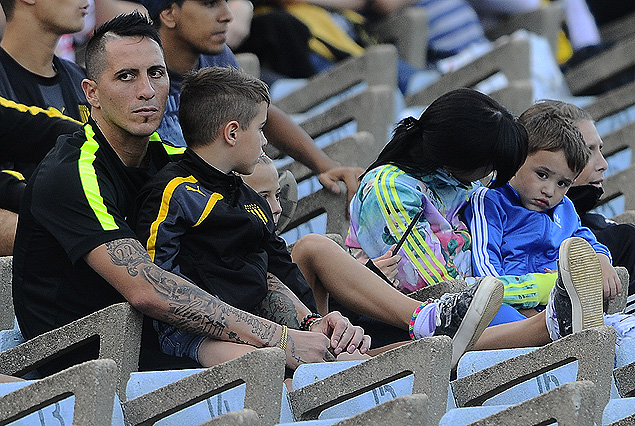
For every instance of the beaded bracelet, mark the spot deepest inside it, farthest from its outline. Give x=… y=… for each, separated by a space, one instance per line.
x=411 y=327
x=283 y=338
x=308 y=320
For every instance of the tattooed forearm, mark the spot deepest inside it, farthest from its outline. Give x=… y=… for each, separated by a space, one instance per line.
x=293 y=352
x=264 y=330
x=192 y=318
x=280 y=305
x=129 y=253
x=189 y=307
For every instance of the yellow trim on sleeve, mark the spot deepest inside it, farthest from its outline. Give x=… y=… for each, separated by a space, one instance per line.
x=163 y=211
x=88 y=179
x=415 y=242
x=14 y=173
x=33 y=110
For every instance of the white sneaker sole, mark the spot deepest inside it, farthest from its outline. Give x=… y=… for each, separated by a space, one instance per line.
x=485 y=304
x=581 y=274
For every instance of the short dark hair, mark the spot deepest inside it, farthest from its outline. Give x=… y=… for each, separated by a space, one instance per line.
x=462 y=130
x=213 y=96
x=133 y=24
x=550 y=131
x=8 y=6
x=155 y=7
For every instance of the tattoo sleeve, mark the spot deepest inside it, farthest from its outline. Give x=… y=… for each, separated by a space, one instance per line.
x=281 y=305
x=189 y=307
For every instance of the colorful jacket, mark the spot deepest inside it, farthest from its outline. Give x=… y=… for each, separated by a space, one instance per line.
x=439 y=247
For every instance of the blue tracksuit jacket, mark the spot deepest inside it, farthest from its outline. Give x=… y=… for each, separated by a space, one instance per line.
x=508 y=239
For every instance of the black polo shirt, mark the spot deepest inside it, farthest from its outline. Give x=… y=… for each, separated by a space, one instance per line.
x=78 y=198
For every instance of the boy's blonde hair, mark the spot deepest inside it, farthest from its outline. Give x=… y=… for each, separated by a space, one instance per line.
x=563 y=109
x=211 y=97
x=550 y=131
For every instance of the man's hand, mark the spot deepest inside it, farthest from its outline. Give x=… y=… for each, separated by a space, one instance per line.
x=344 y=335
x=348 y=175
x=611 y=282
x=307 y=347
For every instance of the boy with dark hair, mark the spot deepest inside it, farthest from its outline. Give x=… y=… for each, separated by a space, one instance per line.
x=585 y=193
x=200 y=220
x=518 y=229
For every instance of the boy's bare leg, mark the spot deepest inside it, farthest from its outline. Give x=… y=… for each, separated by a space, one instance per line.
x=382 y=349
x=213 y=352
x=355 y=286
x=323 y=262
x=8 y=225
x=528 y=312
x=355 y=356
x=302 y=258
x=519 y=334
x=8 y=379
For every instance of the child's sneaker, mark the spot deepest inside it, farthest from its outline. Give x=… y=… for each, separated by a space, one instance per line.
x=576 y=300
x=463 y=316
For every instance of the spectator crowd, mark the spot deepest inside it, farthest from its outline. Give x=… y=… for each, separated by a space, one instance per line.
x=133 y=171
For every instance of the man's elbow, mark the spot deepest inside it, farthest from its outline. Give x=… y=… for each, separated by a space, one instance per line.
x=146 y=302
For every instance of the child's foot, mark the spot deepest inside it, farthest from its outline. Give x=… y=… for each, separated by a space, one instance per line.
x=576 y=301
x=463 y=316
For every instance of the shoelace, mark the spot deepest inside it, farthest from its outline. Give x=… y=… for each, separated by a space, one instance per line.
x=447 y=301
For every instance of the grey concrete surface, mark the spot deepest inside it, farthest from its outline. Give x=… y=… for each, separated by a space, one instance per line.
x=118 y=328
x=92 y=383
x=511 y=58
x=594 y=350
x=407 y=410
x=625 y=380
x=261 y=370
x=429 y=359
x=376 y=67
x=244 y=417
x=6 y=299
x=571 y=404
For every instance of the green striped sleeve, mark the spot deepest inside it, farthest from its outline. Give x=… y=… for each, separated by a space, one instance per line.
x=88 y=178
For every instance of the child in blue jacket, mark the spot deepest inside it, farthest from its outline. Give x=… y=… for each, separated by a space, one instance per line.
x=518 y=228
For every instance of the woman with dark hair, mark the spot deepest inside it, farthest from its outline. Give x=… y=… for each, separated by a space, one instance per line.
x=418 y=187
x=431 y=165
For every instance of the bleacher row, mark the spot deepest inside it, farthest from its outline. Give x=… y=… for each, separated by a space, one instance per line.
x=582 y=379
x=577 y=380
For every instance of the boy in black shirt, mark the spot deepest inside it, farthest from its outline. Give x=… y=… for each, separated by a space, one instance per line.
x=200 y=220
